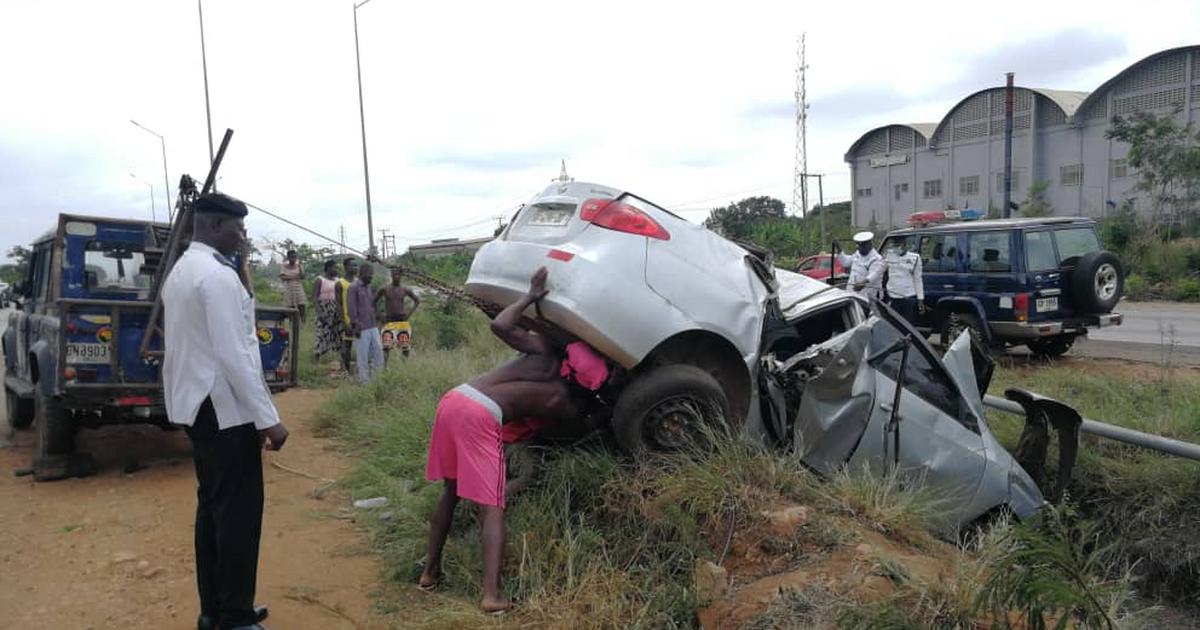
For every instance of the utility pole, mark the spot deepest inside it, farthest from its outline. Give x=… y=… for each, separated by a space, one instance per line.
x=342 y=240
x=207 y=109
x=385 y=239
x=362 y=121
x=166 y=180
x=820 y=200
x=800 y=168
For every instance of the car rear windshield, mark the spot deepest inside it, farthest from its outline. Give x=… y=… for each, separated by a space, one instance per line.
x=114 y=268
x=1075 y=242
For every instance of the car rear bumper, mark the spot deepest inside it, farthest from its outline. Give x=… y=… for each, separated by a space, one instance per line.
x=1037 y=330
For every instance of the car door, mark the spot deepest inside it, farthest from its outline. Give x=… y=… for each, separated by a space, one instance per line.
x=939 y=270
x=991 y=272
x=940 y=439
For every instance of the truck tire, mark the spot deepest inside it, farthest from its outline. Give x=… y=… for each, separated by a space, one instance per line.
x=1051 y=347
x=670 y=408
x=56 y=432
x=20 y=410
x=955 y=323
x=1097 y=283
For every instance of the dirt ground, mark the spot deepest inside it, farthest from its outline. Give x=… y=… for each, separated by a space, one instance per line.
x=115 y=549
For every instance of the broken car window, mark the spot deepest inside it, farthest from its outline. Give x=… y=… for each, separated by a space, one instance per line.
x=923 y=375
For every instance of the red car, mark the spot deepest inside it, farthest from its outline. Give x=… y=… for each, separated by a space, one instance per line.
x=817 y=267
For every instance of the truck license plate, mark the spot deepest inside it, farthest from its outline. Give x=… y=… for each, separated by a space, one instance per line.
x=87 y=353
x=552 y=218
x=1047 y=304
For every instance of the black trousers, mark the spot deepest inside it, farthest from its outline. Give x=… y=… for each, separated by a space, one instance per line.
x=229 y=511
x=906 y=307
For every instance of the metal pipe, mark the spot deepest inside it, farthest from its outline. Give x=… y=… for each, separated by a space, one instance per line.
x=1153 y=442
x=1008 y=133
x=362 y=121
x=204 y=63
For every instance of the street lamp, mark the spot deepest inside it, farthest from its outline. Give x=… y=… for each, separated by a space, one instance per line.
x=153 y=217
x=363 y=124
x=166 y=179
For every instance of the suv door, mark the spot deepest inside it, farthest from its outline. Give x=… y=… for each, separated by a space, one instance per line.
x=1043 y=275
x=992 y=269
x=939 y=270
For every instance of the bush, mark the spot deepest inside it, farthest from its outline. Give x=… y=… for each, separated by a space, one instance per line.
x=1136 y=288
x=449 y=326
x=1187 y=290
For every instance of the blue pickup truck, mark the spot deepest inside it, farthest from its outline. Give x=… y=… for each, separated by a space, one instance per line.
x=73 y=351
x=1037 y=282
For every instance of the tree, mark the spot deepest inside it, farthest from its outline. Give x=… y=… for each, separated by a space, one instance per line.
x=1035 y=204
x=1166 y=157
x=20 y=265
x=736 y=221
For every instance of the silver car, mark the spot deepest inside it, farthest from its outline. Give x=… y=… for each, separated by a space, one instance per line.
x=708 y=334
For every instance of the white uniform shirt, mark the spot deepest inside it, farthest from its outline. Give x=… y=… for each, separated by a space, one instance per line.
x=904 y=275
x=868 y=269
x=210 y=344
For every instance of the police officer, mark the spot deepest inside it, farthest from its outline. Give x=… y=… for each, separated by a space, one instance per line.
x=866 y=266
x=905 y=288
x=212 y=376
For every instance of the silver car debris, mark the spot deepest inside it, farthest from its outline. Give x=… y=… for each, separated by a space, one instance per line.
x=705 y=331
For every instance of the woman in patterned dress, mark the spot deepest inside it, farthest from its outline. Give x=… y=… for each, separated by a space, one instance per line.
x=329 y=313
x=292 y=276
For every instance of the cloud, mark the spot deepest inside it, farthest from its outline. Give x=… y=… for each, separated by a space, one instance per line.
x=488 y=161
x=1048 y=60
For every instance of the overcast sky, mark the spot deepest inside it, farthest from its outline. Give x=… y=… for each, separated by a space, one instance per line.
x=470 y=106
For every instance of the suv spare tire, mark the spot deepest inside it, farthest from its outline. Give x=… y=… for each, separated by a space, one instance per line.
x=1097 y=282
x=670 y=408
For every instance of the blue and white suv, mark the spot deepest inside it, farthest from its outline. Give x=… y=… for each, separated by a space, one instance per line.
x=1034 y=282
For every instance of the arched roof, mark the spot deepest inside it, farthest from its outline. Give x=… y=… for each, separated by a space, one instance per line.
x=925 y=130
x=1102 y=91
x=1067 y=101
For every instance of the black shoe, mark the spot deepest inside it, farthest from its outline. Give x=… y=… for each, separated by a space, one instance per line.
x=208 y=623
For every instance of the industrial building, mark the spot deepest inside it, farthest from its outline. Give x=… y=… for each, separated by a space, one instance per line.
x=1058 y=139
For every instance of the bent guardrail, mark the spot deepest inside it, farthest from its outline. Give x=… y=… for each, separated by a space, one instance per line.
x=1153 y=442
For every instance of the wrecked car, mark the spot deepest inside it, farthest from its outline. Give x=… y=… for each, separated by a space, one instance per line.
x=706 y=334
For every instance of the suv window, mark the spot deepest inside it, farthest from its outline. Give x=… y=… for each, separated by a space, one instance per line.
x=988 y=252
x=1075 y=242
x=939 y=252
x=114 y=268
x=1039 y=252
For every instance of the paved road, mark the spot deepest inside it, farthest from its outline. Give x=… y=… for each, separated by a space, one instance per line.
x=1155 y=323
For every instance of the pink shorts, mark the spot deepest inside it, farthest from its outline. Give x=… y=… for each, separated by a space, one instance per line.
x=466 y=447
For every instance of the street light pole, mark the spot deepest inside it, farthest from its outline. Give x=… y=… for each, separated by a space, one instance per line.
x=153 y=216
x=166 y=178
x=362 y=120
x=207 y=110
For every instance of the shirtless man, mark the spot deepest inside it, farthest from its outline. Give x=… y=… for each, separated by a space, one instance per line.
x=465 y=448
x=397 y=324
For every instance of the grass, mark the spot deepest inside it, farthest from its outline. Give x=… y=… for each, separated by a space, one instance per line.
x=601 y=542
x=1145 y=503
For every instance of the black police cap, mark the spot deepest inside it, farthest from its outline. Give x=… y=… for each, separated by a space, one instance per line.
x=220 y=203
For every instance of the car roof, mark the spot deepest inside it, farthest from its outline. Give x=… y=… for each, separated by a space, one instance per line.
x=993 y=224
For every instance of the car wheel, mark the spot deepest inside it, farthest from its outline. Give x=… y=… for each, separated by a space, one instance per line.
x=1051 y=347
x=671 y=408
x=55 y=439
x=1098 y=282
x=954 y=325
x=20 y=410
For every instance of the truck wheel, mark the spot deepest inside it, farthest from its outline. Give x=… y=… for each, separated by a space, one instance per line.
x=1051 y=347
x=56 y=432
x=954 y=325
x=670 y=408
x=20 y=410
x=1098 y=282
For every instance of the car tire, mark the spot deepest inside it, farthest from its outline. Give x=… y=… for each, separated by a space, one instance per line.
x=19 y=410
x=955 y=323
x=1051 y=347
x=1097 y=282
x=55 y=429
x=670 y=408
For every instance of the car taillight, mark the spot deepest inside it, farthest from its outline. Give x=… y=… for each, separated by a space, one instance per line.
x=130 y=401
x=283 y=333
x=1021 y=306
x=281 y=373
x=69 y=373
x=71 y=328
x=621 y=217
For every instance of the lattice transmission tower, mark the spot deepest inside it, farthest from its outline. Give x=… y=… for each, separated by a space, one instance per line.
x=800 y=169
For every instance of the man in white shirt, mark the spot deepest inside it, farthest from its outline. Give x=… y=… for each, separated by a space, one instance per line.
x=866 y=266
x=905 y=287
x=214 y=387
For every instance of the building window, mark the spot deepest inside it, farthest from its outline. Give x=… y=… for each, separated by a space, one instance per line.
x=932 y=189
x=901 y=189
x=1118 y=169
x=1071 y=175
x=1016 y=181
x=864 y=192
x=968 y=185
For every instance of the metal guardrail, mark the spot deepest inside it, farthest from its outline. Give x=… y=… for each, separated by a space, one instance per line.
x=1158 y=443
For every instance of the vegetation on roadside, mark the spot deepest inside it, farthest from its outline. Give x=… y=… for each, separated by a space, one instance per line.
x=598 y=541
